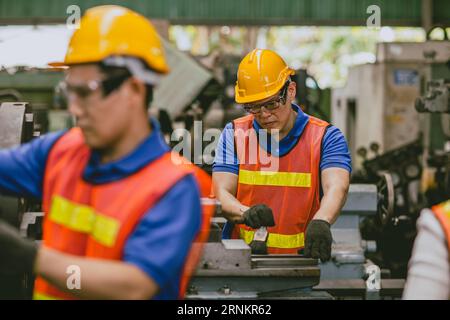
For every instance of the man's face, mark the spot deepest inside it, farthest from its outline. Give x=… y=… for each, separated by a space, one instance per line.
x=102 y=119
x=276 y=119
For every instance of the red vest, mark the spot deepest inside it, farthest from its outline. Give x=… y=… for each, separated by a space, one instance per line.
x=289 y=185
x=442 y=213
x=96 y=220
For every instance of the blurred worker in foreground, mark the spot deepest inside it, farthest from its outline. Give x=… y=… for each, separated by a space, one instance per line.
x=429 y=266
x=302 y=196
x=116 y=204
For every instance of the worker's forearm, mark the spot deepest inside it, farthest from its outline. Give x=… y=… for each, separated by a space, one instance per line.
x=331 y=204
x=99 y=279
x=231 y=207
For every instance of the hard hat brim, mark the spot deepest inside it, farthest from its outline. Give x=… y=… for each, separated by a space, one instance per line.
x=57 y=64
x=261 y=95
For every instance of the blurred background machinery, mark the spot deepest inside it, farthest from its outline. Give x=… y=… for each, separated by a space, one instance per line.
x=397 y=110
x=16 y=127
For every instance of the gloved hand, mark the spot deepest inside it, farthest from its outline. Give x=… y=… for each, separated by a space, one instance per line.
x=17 y=255
x=318 y=240
x=258 y=216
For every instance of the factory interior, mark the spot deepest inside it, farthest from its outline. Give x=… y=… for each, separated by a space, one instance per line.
x=376 y=72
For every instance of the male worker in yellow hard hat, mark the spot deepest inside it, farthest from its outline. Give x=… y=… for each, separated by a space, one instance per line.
x=117 y=207
x=429 y=266
x=278 y=167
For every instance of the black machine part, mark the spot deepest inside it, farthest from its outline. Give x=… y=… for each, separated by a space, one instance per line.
x=386 y=198
x=436 y=99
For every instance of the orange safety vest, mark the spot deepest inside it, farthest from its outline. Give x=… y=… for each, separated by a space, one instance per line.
x=95 y=221
x=291 y=190
x=442 y=213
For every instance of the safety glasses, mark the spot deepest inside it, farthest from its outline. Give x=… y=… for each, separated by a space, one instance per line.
x=271 y=105
x=84 y=91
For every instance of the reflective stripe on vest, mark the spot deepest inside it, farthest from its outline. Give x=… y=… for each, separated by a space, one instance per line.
x=442 y=213
x=84 y=219
x=277 y=240
x=445 y=208
x=41 y=296
x=270 y=178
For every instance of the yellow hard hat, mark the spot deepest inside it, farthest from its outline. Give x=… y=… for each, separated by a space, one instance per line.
x=261 y=74
x=112 y=30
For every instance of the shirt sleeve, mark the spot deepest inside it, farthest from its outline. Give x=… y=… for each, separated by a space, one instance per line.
x=22 y=168
x=335 y=153
x=226 y=159
x=160 y=243
x=429 y=271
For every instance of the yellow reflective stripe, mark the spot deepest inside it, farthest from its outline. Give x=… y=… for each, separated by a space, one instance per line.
x=41 y=296
x=277 y=240
x=247 y=235
x=84 y=219
x=60 y=210
x=106 y=230
x=446 y=208
x=270 y=178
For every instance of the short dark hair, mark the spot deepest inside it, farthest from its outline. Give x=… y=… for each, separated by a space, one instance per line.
x=113 y=71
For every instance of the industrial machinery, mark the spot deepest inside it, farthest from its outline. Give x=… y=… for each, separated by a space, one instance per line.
x=436 y=99
x=228 y=270
x=16 y=127
x=396 y=109
x=376 y=105
x=435 y=106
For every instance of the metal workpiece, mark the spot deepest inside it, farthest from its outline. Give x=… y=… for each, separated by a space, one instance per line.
x=226 y=255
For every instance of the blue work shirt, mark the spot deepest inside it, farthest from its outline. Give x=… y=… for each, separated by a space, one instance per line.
x=334 y=149
x=161 y=241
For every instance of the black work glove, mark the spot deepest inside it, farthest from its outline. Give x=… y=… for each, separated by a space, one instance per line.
x=259 y=216
x=318 y=240
x=17 y=255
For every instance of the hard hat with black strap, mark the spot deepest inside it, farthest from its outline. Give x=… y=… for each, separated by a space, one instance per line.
x=261 y=74
x=104 y=37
